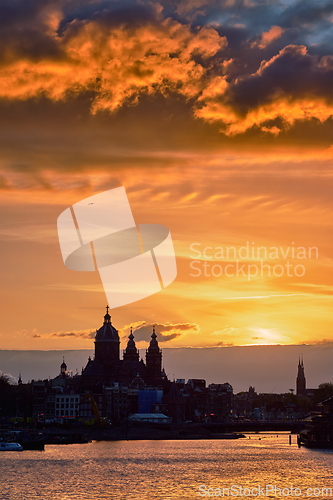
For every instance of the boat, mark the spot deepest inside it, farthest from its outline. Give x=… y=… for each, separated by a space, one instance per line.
x=32 y=440
x=33 y=444
x=318 y=432
x=10 y=447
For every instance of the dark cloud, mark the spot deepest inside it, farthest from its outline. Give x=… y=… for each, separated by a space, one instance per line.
x=323 y=342
x=223 y=344
x=276 y=371
x=306 y=13
x=292 y=86
x=110 y=14
x=164 y=332
x=25 y=30
x=105 y=56
x=82 y=334
x=14 y=13
x=293 y=72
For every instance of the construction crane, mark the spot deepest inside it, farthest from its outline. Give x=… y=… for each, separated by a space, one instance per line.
x=94 y=407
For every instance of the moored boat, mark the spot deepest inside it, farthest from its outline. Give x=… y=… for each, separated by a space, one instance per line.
x=10 y=446
x=318 y=432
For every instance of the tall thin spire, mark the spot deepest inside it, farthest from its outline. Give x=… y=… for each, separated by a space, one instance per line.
x=300 y=380
x=154 y=361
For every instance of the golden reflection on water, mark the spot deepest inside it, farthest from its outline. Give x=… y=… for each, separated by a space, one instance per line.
x=164 y=470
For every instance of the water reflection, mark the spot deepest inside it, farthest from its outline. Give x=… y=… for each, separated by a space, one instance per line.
x=160 y=469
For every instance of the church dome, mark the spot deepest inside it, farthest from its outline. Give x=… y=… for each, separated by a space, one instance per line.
x=107 y=331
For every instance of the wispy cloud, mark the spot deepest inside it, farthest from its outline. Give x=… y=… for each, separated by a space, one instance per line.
x=262 y=296
x=164 y=331
x=82 y=334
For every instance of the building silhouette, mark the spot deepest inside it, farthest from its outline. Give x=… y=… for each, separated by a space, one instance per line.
x=300 y=380
x=108 y=368
x=114 y=387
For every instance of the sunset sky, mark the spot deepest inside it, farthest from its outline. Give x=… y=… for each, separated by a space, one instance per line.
x=216 y=117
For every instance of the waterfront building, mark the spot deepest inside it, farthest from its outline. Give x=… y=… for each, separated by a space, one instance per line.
x=114 y=388
x=220 y=400
x=147 y=398
x=66 y=404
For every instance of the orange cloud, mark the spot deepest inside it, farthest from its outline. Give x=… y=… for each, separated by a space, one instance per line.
x=119 y=63
x=268 y=37
x=285 y=108
x=116 y=63
x=271 y=130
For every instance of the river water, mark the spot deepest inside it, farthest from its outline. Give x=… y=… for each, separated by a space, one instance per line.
x=168 y=470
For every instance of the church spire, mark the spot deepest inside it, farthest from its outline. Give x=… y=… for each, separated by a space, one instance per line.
x=300 y=380
x=107 y=317
x=154 y=361
x=131 y=353
x=153 y=346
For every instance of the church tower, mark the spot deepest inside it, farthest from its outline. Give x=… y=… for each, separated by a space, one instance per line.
x=131 y=352
x=107 y=342
x=300 y=380
x=63 y=368
x=154 y=361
